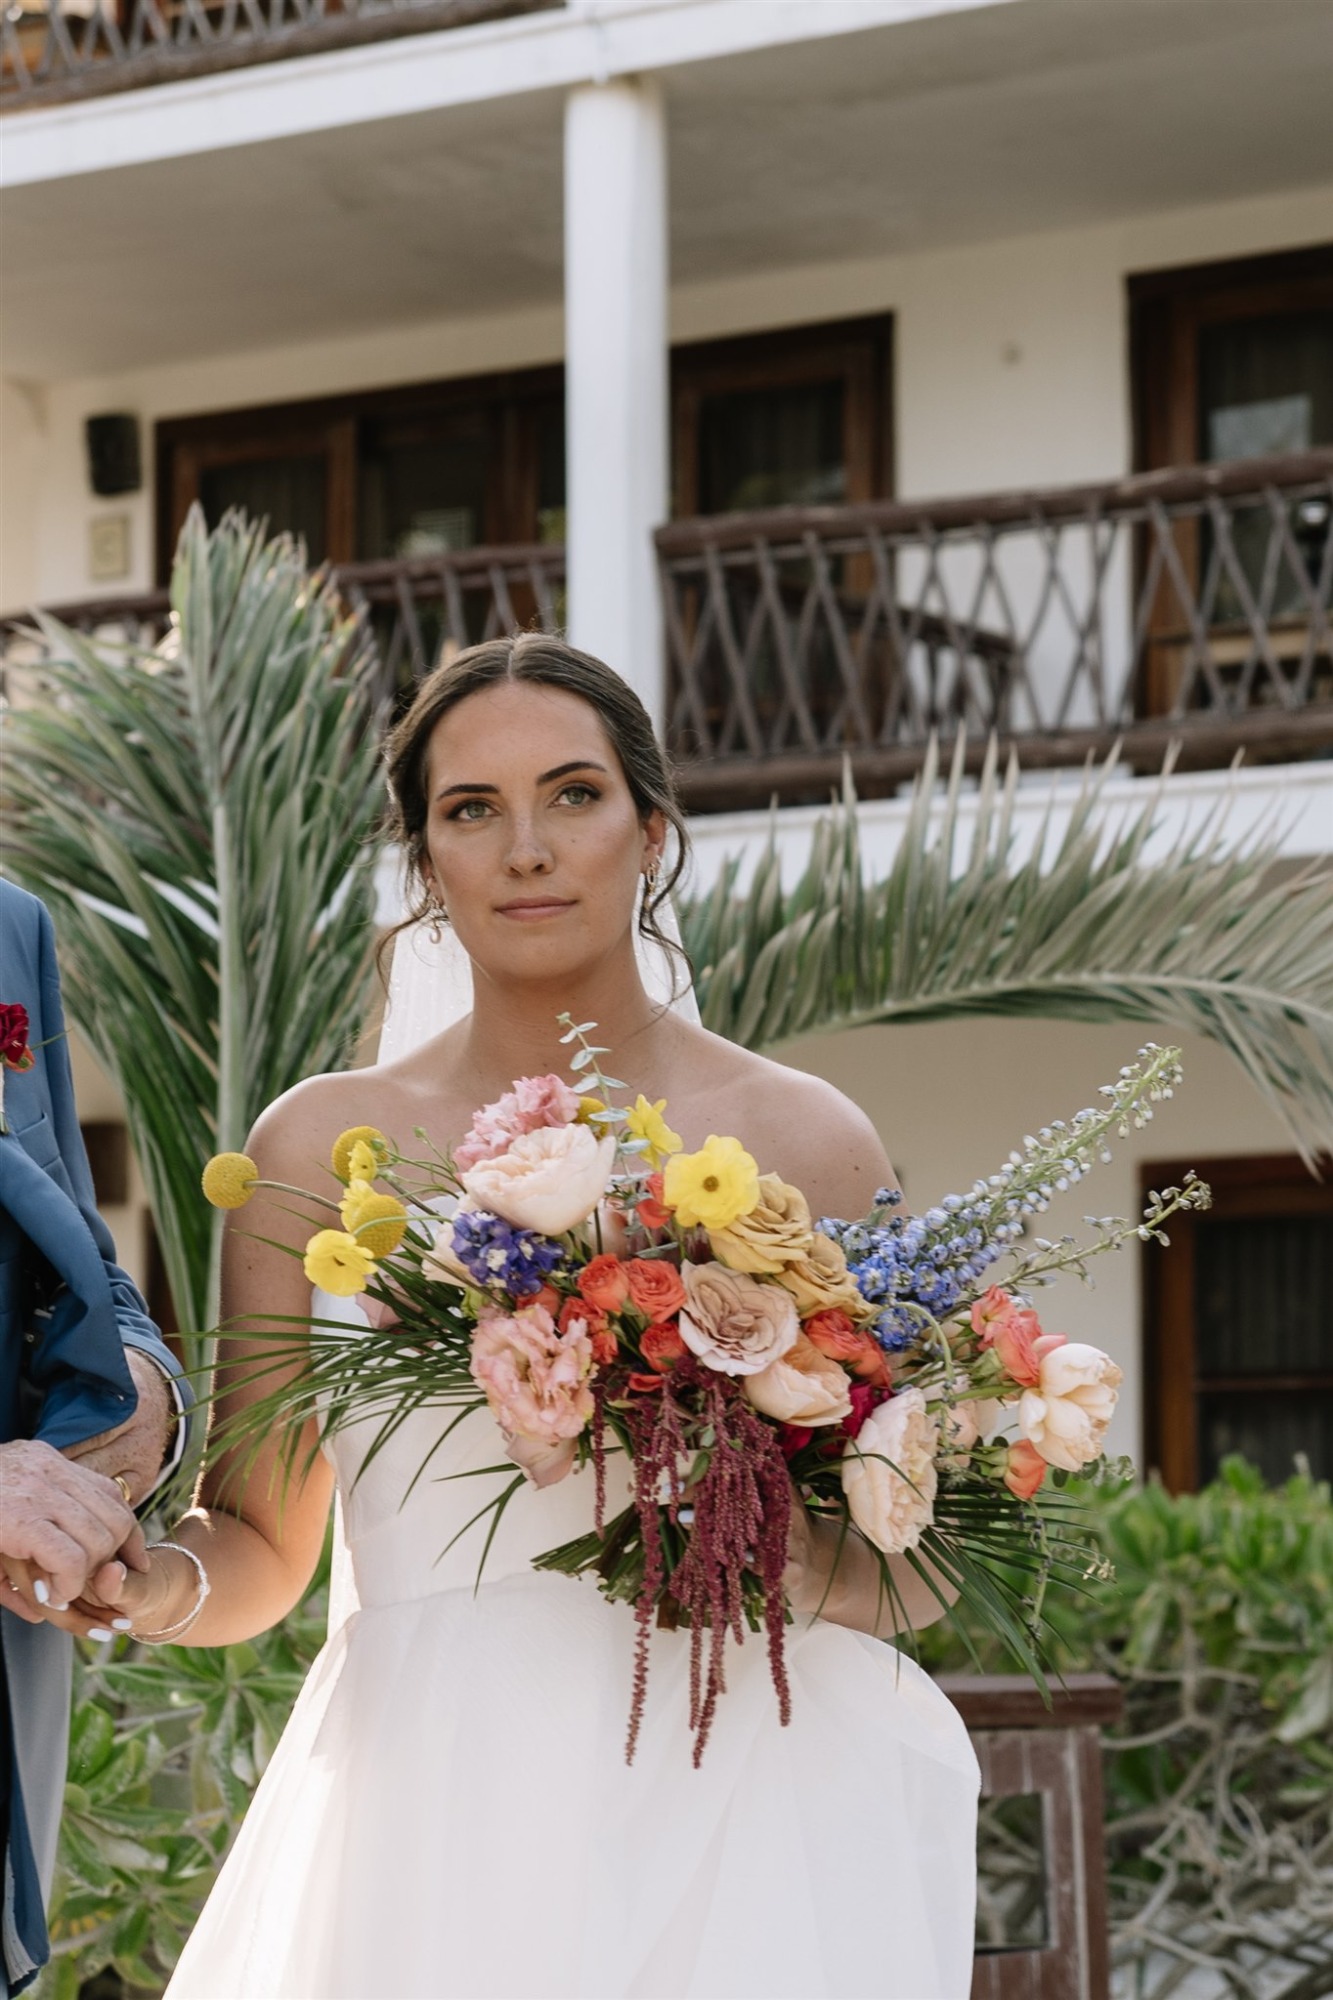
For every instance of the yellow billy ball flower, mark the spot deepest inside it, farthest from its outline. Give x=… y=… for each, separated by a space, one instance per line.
x=356 y=1135
x=713 y=1186
x=229 y=1179
x=646 y=1122
x=376 y=1220
x=337 y=1263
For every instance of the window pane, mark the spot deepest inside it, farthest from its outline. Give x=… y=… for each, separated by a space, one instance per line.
x=1266 y=385
x=288 y=493
x=1269 y=1429
x=422 y=495
x=1264 y=1291
x=772 y=448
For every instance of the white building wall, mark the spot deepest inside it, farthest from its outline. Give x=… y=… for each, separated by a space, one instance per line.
x=1011 y=364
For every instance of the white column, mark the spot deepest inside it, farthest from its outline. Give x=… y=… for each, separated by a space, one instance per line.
x=616 y=374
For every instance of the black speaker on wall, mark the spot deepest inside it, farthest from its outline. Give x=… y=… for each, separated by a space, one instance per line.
x=113 y=454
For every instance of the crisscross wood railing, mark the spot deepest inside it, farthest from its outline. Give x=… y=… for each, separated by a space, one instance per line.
x=72 y=49
x=1192 y=604
x=420 y=609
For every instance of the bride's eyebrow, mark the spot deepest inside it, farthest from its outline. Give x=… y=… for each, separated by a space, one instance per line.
x=546 y=778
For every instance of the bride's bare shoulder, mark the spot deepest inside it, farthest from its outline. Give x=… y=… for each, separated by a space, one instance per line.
x=306 y=1119
x=796 y=1125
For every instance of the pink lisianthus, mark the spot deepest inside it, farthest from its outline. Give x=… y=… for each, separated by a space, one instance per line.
x=533 y=1102
x=1014 y=1332
x=535 y=1378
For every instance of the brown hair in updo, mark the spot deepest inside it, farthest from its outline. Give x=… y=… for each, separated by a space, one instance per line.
x=541 y=661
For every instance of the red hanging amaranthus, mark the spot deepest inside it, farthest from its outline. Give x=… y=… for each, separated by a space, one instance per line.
x=742 y=1510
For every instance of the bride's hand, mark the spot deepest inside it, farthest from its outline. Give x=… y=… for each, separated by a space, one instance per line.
x=542 y=1464
x=805 y=1579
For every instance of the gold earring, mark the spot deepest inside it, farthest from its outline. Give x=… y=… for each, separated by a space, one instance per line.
x=439 y=917
x=652 y=874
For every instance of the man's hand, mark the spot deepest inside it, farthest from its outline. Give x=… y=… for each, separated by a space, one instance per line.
x=59 y=1523
x=134 y=1450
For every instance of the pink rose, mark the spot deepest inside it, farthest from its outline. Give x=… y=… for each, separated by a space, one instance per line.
x=1024 y=1470
x=548 y=1180
x=802 y=1387
x=888 y=1473
x=732 y=1322
x=1014 y=1332
x=1065 y=1415
x=535 y=1377
x=534 y=1102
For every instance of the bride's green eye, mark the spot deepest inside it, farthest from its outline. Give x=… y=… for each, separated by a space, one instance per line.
x=471 y=809
x=579 y=794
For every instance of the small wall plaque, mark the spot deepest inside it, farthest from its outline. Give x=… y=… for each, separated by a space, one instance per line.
x=109 y=548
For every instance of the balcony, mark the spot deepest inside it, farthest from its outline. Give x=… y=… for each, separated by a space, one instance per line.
x=1188 y=607
x=70 y=50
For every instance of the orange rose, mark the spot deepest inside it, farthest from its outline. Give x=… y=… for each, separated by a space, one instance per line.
x=605 y=1346
x=604 y=1284
x=833 y=1334
x=545 y=1295
x=1014 y=1331
x=662 y=1347
x=655 y=1287
x=1025 y=1471
x=653 y=1211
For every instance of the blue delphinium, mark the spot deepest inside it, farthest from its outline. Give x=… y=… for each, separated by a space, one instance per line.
x=901 y=1261
x=495 y=1252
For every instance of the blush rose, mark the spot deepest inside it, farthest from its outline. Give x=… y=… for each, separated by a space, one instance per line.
x=732 y=1322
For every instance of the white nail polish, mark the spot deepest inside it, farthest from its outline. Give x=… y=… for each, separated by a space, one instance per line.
x=98 y=1632
x=40 y=1591
x=58 y=1607
x=122 y=1624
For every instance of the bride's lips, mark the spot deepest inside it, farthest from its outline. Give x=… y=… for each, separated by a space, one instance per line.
x=531 y=909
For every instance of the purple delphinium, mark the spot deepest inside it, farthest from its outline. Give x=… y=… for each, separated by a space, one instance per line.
x=925 y=1260
x=495 y=1252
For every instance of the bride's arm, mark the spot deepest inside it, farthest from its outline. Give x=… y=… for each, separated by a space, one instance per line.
x=259 y=1531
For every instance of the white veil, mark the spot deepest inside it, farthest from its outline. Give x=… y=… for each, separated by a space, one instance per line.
x=430 y=987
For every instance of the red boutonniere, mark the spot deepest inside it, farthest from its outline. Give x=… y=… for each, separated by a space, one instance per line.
x=15 y=1052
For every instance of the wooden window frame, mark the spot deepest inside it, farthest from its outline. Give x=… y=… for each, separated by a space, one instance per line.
x=859 y=350
x=1168 y=309
x=1246 y=1186
x=185 y=446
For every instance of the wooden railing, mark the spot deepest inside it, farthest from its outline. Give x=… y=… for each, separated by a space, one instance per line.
x=70 y=49
x=1190 y=605
x=420 y=610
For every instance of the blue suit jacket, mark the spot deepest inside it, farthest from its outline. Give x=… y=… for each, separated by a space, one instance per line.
x=67 y=1314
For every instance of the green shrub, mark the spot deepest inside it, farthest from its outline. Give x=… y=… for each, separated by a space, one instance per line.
x=1218 y=1621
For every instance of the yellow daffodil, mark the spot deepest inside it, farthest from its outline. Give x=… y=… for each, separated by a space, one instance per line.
x=713 y=1186
x=366 y=1135
x=376 y=1220
x=588 y=1109
x=646 y=1122
x=337 y=1263
x=229 y=1179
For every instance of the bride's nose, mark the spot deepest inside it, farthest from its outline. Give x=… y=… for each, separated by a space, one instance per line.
x=528 y=853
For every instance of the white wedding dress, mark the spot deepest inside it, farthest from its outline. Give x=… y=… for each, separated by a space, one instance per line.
x=449 y=1815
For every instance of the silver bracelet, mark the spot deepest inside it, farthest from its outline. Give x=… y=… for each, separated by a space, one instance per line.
x=182 y=1625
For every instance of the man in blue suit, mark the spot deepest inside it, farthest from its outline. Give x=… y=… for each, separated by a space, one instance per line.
x=93 y=1415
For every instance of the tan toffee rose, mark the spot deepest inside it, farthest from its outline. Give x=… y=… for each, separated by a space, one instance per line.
x=821 y=1282
x=776 y=1232
x=734 y=1323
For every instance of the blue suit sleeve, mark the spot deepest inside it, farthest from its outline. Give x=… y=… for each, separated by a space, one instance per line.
x=136 y=1327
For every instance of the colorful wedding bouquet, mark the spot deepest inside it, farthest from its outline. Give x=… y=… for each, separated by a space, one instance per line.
x=600 y=1289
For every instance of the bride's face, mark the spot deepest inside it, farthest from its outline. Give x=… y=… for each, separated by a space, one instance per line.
x=533 y=839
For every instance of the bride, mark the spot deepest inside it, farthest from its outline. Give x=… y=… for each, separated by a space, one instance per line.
x=449 y=1813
